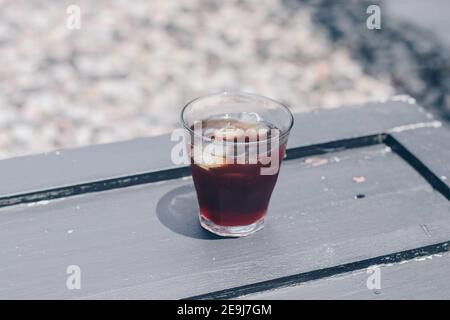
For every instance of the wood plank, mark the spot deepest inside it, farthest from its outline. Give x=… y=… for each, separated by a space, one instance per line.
x=93 y=163
x=145 y=241
x=421 y=278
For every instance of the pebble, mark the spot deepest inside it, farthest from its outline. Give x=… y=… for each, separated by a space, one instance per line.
x=359 y=179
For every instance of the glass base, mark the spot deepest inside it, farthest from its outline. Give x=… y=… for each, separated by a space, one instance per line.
x=227 y=231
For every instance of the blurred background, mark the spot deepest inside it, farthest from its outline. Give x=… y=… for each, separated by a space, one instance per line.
x=132 y=65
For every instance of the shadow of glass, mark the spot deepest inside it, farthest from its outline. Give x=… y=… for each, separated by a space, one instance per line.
x=178 y=211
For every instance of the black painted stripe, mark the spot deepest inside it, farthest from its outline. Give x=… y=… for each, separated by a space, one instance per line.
x=176 y=173
x=96 y=186
x=418 y=165
x=335 y=146
x=297 y=279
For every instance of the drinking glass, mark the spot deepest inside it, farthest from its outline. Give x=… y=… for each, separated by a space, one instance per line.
x=236 y=142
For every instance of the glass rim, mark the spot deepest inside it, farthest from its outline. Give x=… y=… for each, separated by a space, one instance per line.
x=242 y=94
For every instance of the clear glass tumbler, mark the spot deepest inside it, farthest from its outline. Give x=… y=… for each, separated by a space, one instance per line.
x=236 y=143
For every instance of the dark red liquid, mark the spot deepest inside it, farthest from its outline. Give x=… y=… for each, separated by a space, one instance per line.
x=234 y=194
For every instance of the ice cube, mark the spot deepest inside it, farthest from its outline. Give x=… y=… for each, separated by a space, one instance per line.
x=212 y=155
x=250 y=117
x=229 y=133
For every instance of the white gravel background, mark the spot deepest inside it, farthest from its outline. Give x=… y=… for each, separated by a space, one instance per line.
x=133 y=65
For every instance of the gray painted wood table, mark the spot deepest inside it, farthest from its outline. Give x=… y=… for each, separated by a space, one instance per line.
x=362 y=187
